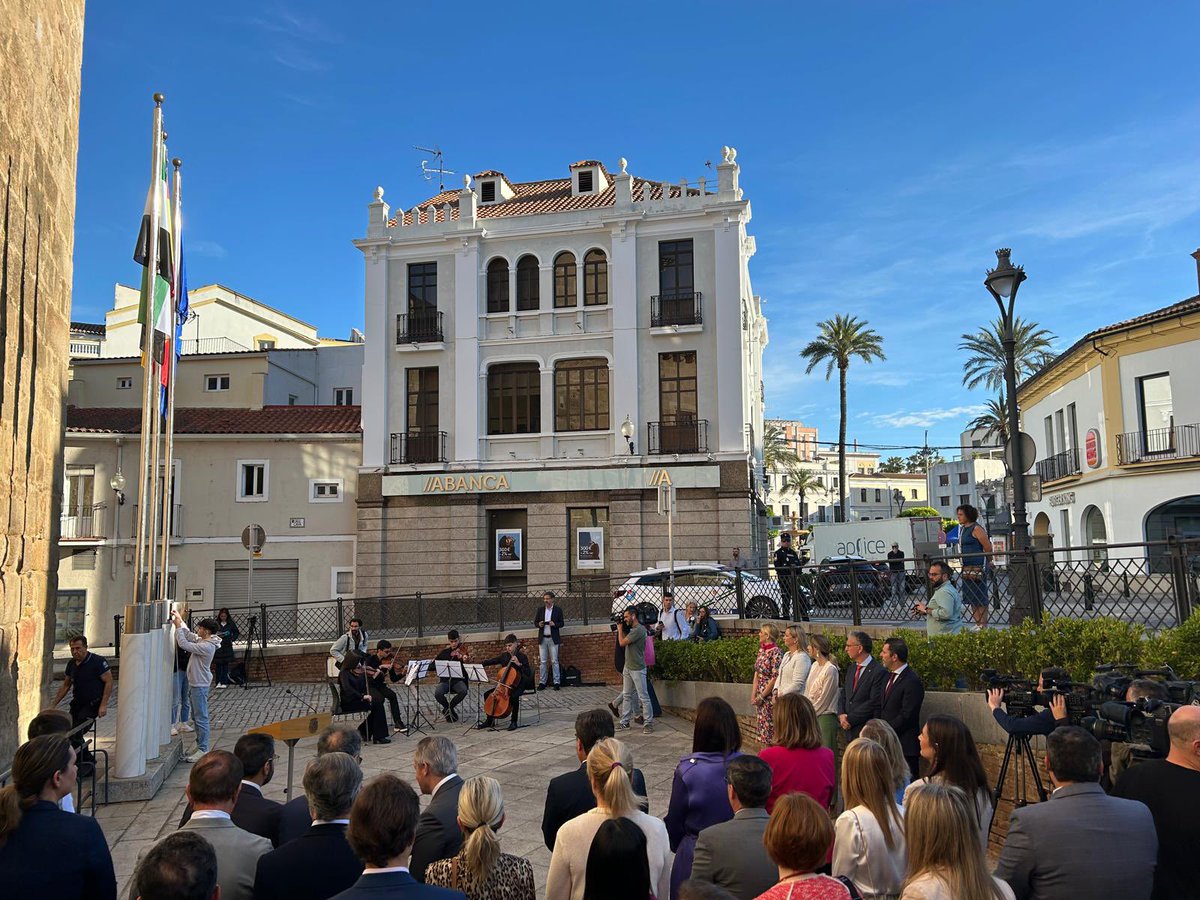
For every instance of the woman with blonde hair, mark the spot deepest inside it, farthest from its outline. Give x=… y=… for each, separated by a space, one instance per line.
x=480 y=870
x=43 y=850
x=798 y=761
x=795 y=665
x=762 y=689
x=609 y=766
x=945 y=859
x=821 y=688
x=882 y=733
x=868 y=845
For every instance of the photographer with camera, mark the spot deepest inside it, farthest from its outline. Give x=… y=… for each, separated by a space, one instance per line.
x=1054 y=715
x=1171 y=789
x=1121 y=753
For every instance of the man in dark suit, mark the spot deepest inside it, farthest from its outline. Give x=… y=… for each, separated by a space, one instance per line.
x=296 y=817
x=1082 y=842
x=900 y=703
x=548 y=620
x=570 y=795
x=383 y=821
x=435 y=764
x=253 y=812
x=320 y=862
x=731 y=854
x=861 y=694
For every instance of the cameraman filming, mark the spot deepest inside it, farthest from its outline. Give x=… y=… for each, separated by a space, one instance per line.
x=1121 y=752
x=1044 y=722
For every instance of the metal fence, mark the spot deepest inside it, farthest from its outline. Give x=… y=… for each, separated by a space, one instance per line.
x=1155 y=584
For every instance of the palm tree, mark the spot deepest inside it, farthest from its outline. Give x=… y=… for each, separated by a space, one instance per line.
x=986 y=363
x=804 y=481
x=993 y=420
x=892 y=464
x=839 y=340
x=778 y=456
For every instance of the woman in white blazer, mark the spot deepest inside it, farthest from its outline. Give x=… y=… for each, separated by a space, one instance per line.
x=868 y=844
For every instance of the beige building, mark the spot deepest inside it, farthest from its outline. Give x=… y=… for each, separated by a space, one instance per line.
x=290 y=469
x=873 y=495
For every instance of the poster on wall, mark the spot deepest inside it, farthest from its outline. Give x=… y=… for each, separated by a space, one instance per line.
x=589 y=547
x=508 y=549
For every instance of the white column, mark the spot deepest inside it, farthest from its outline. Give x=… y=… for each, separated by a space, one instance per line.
x=153 y=693
x=724 y=310
x=465 y=341
x=166 y=668
x=131 y=707
x=379 y=350
x=626 y=319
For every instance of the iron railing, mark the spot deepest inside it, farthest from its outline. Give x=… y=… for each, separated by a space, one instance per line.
x=419 y=327
x=419 y=447
x=85 y=348
x=1179 y=442
x=1060 y=465
x=678 y=435
x=675 y=308
x=82 y=523
x=175 y=524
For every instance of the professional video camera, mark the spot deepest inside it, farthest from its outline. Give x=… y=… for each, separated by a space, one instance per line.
x=1021 y=694
x=1142 y=722
x=1112 y=680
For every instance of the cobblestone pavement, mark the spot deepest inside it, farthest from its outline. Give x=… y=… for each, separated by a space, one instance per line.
x=522 y=761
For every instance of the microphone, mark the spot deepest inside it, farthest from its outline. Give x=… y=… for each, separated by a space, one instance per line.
x=288 y=691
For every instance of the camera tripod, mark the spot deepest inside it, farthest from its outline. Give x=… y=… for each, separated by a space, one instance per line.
x=251 y=644
x=1025 y=758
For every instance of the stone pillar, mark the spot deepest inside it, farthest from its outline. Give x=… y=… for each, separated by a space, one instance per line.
x=41 y=52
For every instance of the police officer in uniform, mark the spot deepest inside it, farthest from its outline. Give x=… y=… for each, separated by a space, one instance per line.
x=787 y=570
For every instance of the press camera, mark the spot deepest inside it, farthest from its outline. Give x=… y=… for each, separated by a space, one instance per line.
x=1021 y=695
x=1142 y=722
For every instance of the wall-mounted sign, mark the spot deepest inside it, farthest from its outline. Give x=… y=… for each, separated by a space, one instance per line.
x=1066 y=498
x=508 y=549
x=589 y=547
x=532 y=480
x=1091 y=448
x=296 y=522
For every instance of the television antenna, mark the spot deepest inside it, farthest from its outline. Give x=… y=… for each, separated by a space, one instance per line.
x=438 y=168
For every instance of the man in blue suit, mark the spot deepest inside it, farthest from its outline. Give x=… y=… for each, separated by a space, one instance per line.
x=383 y=823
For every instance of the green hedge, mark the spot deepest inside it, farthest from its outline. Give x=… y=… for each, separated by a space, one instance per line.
x=1076 y=645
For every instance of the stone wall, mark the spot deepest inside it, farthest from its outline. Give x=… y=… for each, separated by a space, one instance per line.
x=41 y=52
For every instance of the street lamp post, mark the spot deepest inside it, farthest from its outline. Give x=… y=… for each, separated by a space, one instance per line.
x=627 y=432
x=1002 y=283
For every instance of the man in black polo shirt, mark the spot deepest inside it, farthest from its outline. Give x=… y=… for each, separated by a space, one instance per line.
x=92 y=681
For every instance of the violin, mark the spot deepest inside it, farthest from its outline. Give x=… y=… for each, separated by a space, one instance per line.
x=498 y=703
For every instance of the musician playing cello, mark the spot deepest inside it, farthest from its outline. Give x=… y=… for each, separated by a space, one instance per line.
x=514 y=679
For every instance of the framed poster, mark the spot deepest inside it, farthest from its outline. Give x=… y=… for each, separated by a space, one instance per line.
x=589 y=547
x=508 y=549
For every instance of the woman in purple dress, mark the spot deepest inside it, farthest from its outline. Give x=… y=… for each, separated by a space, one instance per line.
x=698 y=794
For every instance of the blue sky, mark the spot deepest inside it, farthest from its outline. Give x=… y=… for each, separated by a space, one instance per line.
x=887 y=150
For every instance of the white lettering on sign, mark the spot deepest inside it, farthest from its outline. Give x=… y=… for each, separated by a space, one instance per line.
x=1066 y=498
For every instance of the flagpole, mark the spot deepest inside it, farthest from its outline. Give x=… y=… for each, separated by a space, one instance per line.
x=155 y=491
x=142 y=573
x=169 y=360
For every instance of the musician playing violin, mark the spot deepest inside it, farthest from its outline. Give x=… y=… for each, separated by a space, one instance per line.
x=514 y=668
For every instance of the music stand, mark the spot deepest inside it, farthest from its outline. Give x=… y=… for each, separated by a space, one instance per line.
x=417 y=669
x=476 y=674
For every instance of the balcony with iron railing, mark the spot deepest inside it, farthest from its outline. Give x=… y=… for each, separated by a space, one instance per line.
x=419 y=328
x=85 y=348
x=680 y=434
x=1060 y=465
x=175 y=524
x=1158 y=444
x=82 y=524
x=675 y=308
x=409 y=447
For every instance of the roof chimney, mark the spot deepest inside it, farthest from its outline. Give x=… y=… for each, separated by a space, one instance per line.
x=1196 y=257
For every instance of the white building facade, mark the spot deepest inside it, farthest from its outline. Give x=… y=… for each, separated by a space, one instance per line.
x=1116 y=420
x=524 y=329
x=967 y=481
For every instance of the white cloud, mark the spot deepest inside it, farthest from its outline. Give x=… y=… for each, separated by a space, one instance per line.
x=927 y=417
x=210 y=249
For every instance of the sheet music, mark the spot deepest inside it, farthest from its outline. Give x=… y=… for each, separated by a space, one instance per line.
x=417 y=669
x=476 y=672
x=448 y=668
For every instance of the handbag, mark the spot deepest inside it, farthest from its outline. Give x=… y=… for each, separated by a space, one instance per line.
x=972 y=573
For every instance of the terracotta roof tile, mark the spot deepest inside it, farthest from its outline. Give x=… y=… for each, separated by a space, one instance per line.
x=88 y=328
x=207 y=420
x=538 y=198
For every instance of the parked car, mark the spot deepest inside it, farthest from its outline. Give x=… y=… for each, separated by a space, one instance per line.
x=832 y=581
x=711 y=586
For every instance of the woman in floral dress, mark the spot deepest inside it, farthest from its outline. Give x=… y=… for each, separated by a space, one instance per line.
x=762 y=691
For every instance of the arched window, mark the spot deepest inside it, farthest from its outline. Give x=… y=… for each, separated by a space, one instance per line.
x=497 y=286
x=1095 y=535
x=1176 y=517
x=528 y=291
x=565 y=281
x=581 y=395
x=514 y=402
x=595 y=278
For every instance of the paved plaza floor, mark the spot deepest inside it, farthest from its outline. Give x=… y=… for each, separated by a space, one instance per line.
x=523 y=762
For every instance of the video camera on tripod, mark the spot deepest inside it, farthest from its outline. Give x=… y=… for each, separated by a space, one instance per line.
x=1113 y=680
x=1142 y=721
x=1021 y=695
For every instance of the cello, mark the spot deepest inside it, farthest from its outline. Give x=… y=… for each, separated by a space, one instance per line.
x=498 y=703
